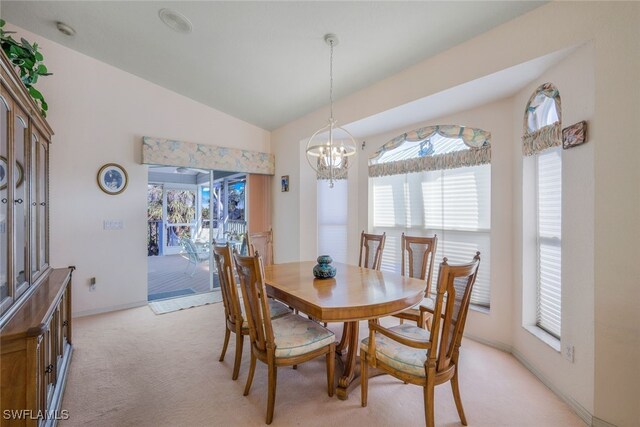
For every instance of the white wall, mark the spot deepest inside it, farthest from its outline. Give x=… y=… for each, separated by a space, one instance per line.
x=99 y=114
x=612 y=26
x=574 y=78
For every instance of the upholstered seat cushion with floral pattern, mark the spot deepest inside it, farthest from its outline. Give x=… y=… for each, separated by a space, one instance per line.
x=294 y=335
x=399 y=356
x=277 y=309
x=430 y=303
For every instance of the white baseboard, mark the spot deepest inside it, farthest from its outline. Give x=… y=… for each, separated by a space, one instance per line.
x=597 y=422
x=495 y=344
x=577 y=408
x=109 y=309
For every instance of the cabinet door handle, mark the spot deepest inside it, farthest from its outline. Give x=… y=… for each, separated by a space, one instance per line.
x=49 y=369
x=42 y=203
x=34 y=204
x=65 y=323
x=19 y=201
x=4 y=200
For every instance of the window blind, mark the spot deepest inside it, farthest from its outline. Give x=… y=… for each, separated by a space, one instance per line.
x=455 y=204
x=332 y=219
x=549 y=223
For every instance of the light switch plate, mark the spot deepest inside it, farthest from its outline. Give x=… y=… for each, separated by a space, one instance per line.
x=112 y=224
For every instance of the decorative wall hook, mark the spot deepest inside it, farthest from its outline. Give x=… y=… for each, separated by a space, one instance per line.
x=364 y=144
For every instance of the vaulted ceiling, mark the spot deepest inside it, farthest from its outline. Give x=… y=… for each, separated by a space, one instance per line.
x=263 y=62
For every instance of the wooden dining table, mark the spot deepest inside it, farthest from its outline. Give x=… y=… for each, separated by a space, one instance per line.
x=354 y=294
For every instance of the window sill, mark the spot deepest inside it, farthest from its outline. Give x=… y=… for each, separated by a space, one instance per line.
x=480 y=309
x=544 y=336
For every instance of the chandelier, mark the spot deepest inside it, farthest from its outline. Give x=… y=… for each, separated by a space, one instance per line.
x=330 y=148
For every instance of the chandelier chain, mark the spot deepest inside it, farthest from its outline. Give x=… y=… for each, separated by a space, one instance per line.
x=331 y=80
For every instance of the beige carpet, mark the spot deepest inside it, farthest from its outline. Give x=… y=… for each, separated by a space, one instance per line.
x=133 y=368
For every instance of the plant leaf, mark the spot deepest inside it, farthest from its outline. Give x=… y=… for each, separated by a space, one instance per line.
x=42 y=69
x=39 y=56
x=35 y=94
x=26 y=45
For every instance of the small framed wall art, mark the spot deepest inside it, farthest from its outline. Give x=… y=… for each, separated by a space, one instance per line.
x=112 y=178
x=285 y=183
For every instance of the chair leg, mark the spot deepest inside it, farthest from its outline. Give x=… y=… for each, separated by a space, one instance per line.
x=331 y=363
x=429 y=390
x=456 y=397
x=271 y=401
x=364 y=377
x=238 y=361
x=252 y=370
x=227 y=333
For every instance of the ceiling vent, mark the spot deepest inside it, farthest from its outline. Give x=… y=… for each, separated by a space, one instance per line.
x=176 y=21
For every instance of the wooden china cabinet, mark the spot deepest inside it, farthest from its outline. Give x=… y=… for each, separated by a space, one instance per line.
x=35 y=300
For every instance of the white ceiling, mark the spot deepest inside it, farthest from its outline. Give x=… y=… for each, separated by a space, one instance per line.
x=263 y=62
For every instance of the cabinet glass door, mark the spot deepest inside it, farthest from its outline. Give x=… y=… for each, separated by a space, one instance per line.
x=33 y=180
x=43 y=199
x=20 y=204
x=5 y=291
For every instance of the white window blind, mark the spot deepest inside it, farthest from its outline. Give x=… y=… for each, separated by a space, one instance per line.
x=455 y=204
x=332 y=219
x=549 y=239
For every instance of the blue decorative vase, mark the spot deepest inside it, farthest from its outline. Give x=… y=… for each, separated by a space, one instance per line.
x=324 y=269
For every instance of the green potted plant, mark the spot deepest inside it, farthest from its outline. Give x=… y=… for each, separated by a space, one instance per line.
x=28 y=61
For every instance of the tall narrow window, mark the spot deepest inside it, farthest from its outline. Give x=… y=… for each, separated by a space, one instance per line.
x=549 y=222
x=542 y=141
x=332 y=219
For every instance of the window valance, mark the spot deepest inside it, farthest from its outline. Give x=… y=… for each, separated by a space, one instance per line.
x=542 y=120
x=432 y=148
x=159 y=151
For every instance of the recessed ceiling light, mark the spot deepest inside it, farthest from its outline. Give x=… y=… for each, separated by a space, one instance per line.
x=65 y=29
x=176 y=21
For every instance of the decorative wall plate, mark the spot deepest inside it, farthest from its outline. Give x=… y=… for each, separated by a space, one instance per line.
x=112 y=178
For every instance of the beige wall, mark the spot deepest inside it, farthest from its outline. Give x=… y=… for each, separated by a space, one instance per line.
x=613 y=29
x=99 y=114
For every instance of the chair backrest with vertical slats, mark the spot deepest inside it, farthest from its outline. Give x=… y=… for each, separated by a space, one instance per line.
x=223 y=259
x=417 y=258
x=455 y=284
x=251 y=272
x=261 y=242
x=371 y=247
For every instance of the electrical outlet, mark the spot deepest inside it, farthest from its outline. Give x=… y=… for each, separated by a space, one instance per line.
x=568 y=352
x=112 y=224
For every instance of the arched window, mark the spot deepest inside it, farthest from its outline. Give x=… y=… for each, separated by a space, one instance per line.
x=542 y=120
x=542 y=140
x=436 y=180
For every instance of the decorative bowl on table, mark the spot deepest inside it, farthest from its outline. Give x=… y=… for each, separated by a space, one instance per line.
x=324 y=269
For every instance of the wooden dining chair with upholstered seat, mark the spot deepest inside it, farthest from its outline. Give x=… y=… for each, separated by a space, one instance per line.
x=285 y=341
x=233 y=309
x=261 y=242
x=371 y=247
x=418 y=254
x=413 y=354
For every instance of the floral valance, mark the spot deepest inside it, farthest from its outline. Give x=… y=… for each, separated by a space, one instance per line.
x=542 y=120
x=158 y=151
x=433 y=153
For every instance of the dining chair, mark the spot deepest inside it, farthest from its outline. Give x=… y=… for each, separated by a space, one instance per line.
x=284 y=341
x=233 y=309
x=418 y=254
x=261 y=242
x=371 y=247
x=417 y=356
